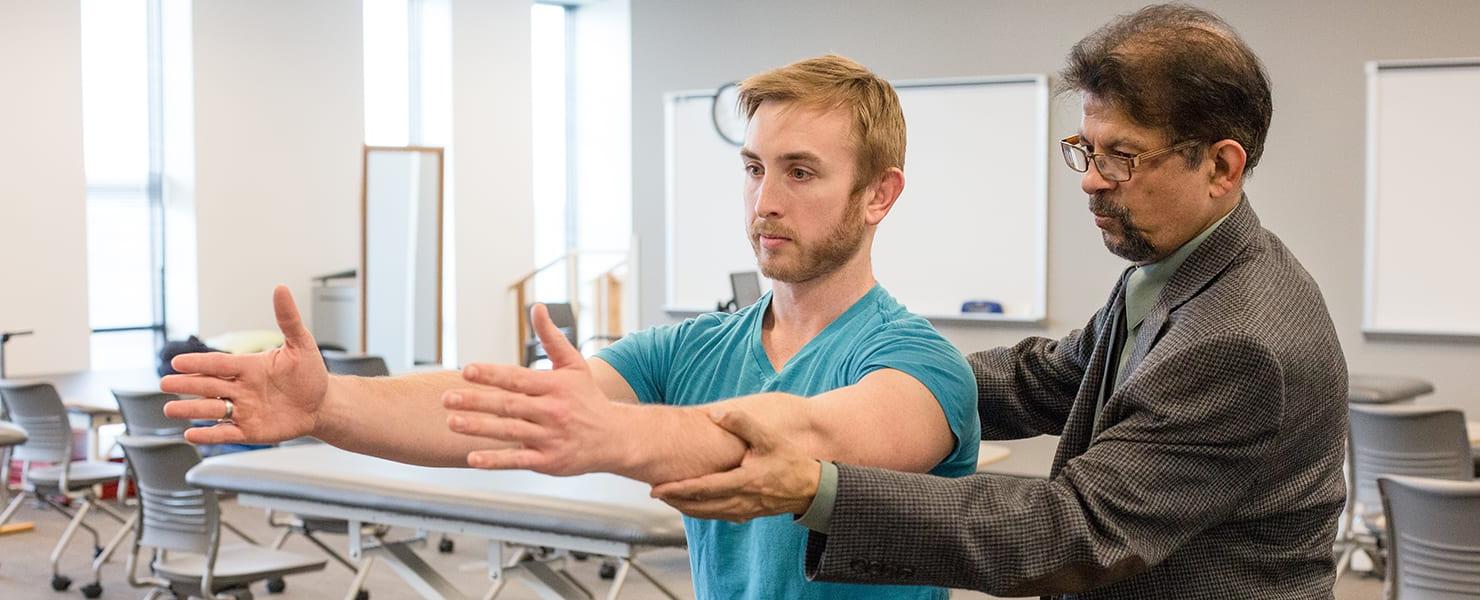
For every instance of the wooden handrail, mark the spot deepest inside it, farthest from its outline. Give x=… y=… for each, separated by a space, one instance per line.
x=564 y=257
x=521 y=296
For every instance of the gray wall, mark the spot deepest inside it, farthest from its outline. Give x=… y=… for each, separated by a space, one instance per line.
x=1308 y=189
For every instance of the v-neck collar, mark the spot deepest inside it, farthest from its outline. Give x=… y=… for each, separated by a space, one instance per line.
x=758 y=347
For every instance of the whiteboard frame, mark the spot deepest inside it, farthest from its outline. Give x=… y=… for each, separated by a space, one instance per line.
x=1040 y=82
x=1369 y=247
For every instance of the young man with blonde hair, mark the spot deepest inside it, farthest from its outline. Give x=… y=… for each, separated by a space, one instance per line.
x=827 y=359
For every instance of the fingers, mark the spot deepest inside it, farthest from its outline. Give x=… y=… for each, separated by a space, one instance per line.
x=508 y=377
x=755 y=434
x=199 y=385
x=199 y=408
x=562 y=354
x=506 y=458
x=221 y=433
x=733 y=510
x=705 y=487
x=499 y=428
x=288 y=320
x=499 y=404
x=217 y=364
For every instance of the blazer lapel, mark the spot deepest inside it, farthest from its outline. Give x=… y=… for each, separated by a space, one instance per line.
x=1075 y=438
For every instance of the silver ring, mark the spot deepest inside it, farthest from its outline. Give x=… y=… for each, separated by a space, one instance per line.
x=230 y=410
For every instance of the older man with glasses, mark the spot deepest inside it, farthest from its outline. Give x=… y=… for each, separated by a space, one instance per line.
x=1201 y=410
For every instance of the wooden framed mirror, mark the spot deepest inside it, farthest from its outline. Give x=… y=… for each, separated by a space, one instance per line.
x=401 y=255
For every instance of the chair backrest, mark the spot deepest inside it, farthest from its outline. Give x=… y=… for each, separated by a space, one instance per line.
x=363 y=366
x=143 y=413
x=1434 y=526
x=176 y=515
x=1420 y=441
x=36 y=408
x=564 y=317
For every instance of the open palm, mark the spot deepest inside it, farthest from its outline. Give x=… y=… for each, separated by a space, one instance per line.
x=277 y=394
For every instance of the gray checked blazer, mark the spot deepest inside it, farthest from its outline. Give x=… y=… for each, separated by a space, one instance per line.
x=1215 y=472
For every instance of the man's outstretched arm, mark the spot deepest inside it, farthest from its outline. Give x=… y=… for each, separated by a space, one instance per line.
x=562 y=423
x=286 y=393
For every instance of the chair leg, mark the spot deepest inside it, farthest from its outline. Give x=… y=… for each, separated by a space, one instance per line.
x=15 y=504
x=66 y=539
x=97 y=565
x=330 y=551
x=97 y=539
x=1344 y=562
x=359 y=581
x=277 y=544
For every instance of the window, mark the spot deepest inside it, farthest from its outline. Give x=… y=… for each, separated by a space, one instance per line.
x=121 y=143
x=550 y=124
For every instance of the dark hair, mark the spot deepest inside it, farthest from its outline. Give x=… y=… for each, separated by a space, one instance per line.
x=1180 y=69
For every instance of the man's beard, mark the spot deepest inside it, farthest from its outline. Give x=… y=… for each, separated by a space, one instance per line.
x=830 y=254
x=1133 y=244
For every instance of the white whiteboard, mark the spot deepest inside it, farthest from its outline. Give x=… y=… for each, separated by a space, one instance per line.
x=1423 y=120
x=972 y=223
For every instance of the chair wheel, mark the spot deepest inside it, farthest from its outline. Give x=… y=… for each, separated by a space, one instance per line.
x=607 y=571
x=362 y=595
x=445 y=546
x=92 y=590
x=60 y=583
x=276 y=585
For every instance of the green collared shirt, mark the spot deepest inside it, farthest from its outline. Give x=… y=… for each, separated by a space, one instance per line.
x=1141 y=291
x=1144 y=286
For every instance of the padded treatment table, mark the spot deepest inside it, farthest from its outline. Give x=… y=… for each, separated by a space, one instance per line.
x=1385 y=389
x=597 y=514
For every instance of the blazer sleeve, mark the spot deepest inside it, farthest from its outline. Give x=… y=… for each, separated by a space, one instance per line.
x=1028 y=389
x=1175 y=462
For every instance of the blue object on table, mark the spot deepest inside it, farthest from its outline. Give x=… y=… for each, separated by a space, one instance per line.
x=981 y=306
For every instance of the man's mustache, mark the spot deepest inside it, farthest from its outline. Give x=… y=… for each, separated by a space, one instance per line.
x=1099 y=205
x=769 y=229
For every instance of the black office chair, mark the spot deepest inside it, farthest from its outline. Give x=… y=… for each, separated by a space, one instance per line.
x=360 y=365
x=564 y=318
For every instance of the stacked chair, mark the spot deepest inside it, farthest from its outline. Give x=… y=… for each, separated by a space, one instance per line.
x=1402 y=440
x=1434 y=526
x=38 y=410
x=182 y=525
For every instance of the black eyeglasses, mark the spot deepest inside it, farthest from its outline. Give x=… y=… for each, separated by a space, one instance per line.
x=1112 y=167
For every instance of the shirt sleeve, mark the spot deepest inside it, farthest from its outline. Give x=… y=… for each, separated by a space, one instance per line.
x=819 y=514
x=645 y=358
x=916 y=349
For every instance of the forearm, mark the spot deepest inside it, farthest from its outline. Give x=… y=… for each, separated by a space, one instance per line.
x=673 y=443
x=668 y=443
x=398 y=418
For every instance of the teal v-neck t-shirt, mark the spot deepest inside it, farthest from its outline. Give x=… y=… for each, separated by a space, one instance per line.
x=719 y=356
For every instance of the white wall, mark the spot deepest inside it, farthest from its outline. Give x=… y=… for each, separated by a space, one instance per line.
x=43 y=238
x=1308 y=189
x=491 y=221
x=279 y=125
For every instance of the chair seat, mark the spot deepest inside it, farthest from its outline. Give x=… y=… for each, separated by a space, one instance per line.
x=237 y=563
x=10 y=435
x=84 y=474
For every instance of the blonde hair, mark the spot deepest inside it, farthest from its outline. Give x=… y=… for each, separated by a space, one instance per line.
x=833 y=81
